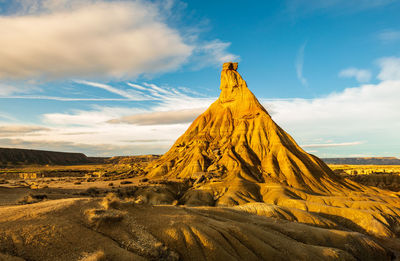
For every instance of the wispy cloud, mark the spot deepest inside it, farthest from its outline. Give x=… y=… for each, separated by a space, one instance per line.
x=161 y=118
x=55 y=98
x=130 y=94
x=14 y=88
x=339 y=7
x=390 y=69
x=328 y=145
x=366 y=113
x=299 y=65
x=104 y=149
x=137 y=86
x=389 y=36
x=361 y=75
x=213 y=53
x=18 y=130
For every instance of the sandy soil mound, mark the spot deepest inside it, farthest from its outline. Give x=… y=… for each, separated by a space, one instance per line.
x=90 y=229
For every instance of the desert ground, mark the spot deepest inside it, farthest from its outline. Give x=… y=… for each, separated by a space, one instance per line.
x=98 y=212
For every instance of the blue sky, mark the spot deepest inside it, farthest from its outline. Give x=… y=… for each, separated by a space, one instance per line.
x=127 y=77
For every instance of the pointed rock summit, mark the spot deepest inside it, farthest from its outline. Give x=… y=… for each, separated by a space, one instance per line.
x=238 y=154
x=236 y=138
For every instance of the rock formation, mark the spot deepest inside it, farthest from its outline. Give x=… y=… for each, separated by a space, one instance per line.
x=236 y=139
x=238 y=155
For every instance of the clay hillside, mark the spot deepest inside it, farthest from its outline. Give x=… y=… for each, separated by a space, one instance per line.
x=239 y=155
x=13 y=156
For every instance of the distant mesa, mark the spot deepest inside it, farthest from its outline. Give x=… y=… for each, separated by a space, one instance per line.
x=363 y=161
x=12 y=156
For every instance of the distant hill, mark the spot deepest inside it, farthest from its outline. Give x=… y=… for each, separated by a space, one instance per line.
x=11 y=156
x=363 y=161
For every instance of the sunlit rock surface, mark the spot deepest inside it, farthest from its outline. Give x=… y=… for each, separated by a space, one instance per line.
x=239 y=155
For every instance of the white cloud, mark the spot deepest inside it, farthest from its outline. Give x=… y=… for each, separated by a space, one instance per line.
x=104 y=149
x=97 y=38
x=88 y=38
x=169 y=105
x=161 y=118
x=328 y=145
x=214 y=53
x=97 y=115
x=130 y=94
x=299 y=65
x=362 y=120
x=389 y=36
x=303 y=7
x=18 y=130
x=10 y=89
x=390 y=69
x=361 y=75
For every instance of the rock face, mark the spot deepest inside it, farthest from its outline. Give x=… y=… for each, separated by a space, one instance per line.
x=238 y=155
x=237 y=139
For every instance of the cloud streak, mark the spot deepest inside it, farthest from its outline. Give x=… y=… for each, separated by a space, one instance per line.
x=131 y=95
x=389 y=36
x=328 y=145
x=360 y=75
x=299 y=65
x=161 y=118
x=390 y=69
x=304 y=7
x=18 y=130
x=367 y=115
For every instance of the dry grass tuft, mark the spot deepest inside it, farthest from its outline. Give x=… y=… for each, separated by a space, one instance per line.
x=101 y=216
x=32 y=198
x=111 y=201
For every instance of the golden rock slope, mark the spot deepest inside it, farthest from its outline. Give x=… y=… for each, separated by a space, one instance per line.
x=80 y=229
x=239 y=155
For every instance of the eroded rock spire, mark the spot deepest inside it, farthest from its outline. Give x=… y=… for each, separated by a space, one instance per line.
x=235 y=141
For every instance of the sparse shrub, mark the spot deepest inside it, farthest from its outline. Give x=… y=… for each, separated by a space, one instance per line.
x=77 y=183
x=92 y=191
x=96 y=256
x=110 y=184
x=99 y=217
x=125 y=182
x=140 y=200
x=161 y=252
x=32 y=198
x=111 y=201
x=144 y=180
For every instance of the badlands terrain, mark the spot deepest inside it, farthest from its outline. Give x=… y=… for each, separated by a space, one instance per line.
x=234 y=186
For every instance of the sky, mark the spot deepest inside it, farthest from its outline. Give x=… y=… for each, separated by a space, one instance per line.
x=126 y=77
